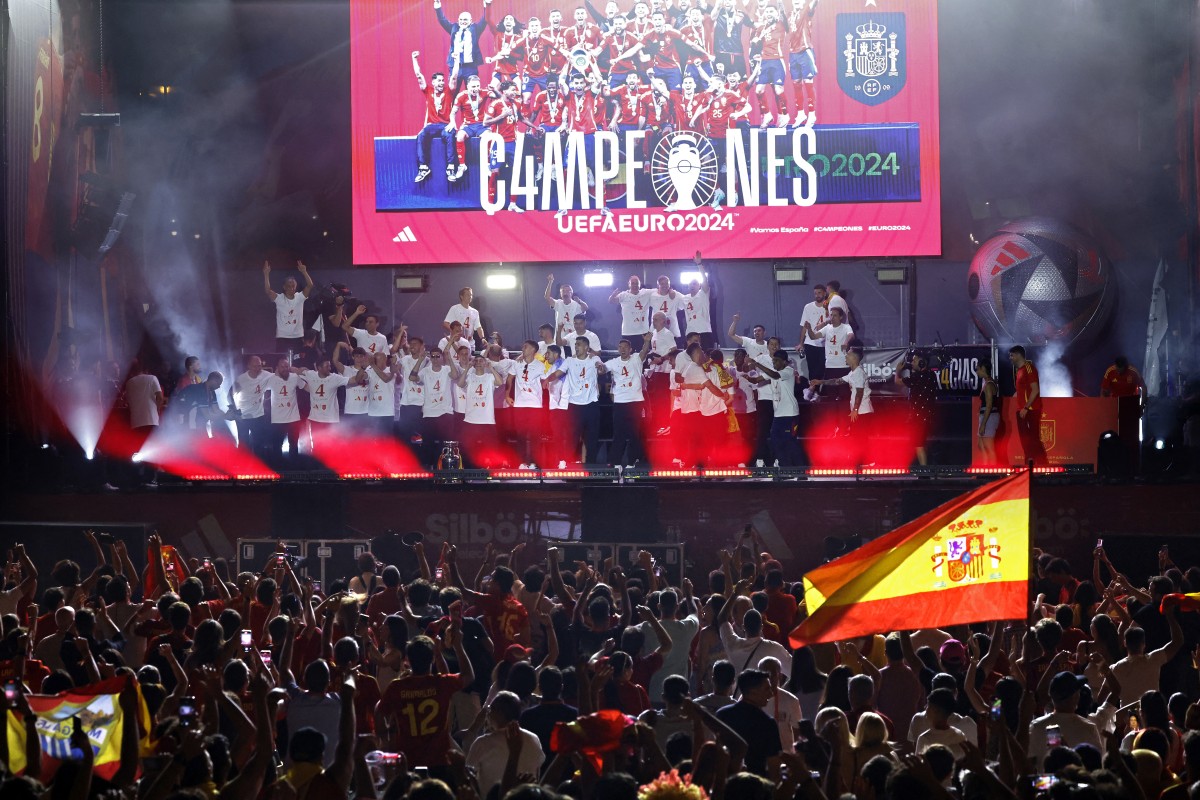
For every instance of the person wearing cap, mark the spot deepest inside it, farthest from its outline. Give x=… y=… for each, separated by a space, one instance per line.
x=938 y=711
x=1074 y=729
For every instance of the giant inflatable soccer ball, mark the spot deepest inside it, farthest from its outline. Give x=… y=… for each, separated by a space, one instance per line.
x=1038 y=280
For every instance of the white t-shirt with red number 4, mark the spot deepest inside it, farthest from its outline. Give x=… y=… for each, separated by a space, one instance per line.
x=835 y=338
x=695 y=311
x=248 y=393
x=380 y=402
x=468 y=316
x=284 y=407
x=439 y=392
x=635 y=311
x=626 y=378
x=582 y=381
x=667 y=305
x=481 y=402
x=527 y=382
x=323 y=405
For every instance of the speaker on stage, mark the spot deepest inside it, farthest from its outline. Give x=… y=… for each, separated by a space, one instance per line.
x=308 y=512
x=620 y=514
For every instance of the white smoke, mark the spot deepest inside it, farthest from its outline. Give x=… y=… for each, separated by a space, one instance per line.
x=1054 y=379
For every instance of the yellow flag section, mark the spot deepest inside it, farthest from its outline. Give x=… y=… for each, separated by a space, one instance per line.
x=965 y=561
x=100 y=715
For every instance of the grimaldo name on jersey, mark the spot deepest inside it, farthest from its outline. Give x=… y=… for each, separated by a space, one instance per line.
x=684 y=167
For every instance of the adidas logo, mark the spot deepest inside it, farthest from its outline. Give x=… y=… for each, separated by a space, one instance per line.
x=405 y=235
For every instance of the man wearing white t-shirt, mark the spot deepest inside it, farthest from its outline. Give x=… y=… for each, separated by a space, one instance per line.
x=144 y=396
x=759 y=353
x=246 y=395
x=455 y=337
x=708 y=433
x=289 y=308
x=635 y=307
x=745 y=400
x=555 y=450
x=566 y=306
x=783 y=707
x=436 y=379
x=380 y=399
x=412 y=394
x=547 y=336
x=811 y=345
x=370 y=338
x=628 y=402
x=322 y=386
x=284 y=387
x=696 y=306
x=659 y=370
x=358 y=389
x=835 y=300
x=582 y=389
x=689 y=434
x=465 y=314
x=479 y=422
x=526 y=377
x=787 y=409
x=837 y=336
x=578 y=329
x=666 y=300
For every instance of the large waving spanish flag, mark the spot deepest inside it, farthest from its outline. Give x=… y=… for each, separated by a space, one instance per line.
x=965 y=561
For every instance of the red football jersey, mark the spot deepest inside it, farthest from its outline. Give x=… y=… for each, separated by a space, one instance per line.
x=420 y=706
x=687 y=108
x=504 y=617
x=507 y=126
x=617 y=44
x=545 y=111
x=437 y=106
x=661 y=46
x=800 y=36
x=1027 y=375
x=587 y=35
x=629 y=104
x=511 y=63
x=581 y=112
x=720 y=108
x=558 y=59
x=656 y=109
x=470 y=109
x=538 y=55
x=698 y=38
x=772 y=40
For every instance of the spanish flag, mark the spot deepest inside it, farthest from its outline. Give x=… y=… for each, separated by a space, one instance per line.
x=965 y=561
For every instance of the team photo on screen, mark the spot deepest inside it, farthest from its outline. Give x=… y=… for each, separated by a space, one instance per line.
x=557 y=131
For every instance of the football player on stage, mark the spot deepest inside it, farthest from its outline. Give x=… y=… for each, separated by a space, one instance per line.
x=728 y=23
x=583 y=112
x=635 y=307
x=437 y=118
x=546 y=111
x=503 y=114
x=771 y=38
x=322 y=386
x=538 y=47
x=1029 y=407
x=557 y=35
x=580 y=374
x=479 y=429
x=723 y=109
x=526 y=376
x=697 y=33
x=696 y=307
x=466 y=118
x=464 y=57
x=802 y=61
x=689 y=105
x=566 y=306
x=436 y=377
x=665 y=300
x=466 y=314
x=509 y=57
x=628 y=401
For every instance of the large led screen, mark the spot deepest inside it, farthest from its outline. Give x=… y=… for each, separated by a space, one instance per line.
x=543 y=130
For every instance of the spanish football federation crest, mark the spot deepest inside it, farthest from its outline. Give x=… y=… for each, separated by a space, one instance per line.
x=873 y=65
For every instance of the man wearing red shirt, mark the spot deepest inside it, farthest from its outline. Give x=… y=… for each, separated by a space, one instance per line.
x=1121 y=380
x=583 y=34
x=506 y=620
x=690 y=107
x=771 y=37
x=1029 y=407
x=413 y=716
x=697 y=34
x=801 y=60
x=557 y=34
x=539 y=47
x=510 y=53
x=390 y=600
x=618 y=42
x=627 y=105
x=547 y=107
x=437 y=118
x=660 y=44
x=781 y=606
x=503 y=114
x=467 y=117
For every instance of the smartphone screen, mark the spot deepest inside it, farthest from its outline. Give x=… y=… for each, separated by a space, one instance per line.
x=266 y=656
x=247 y=639
x=10 y=691
x=997 y=710
x=1053 y=737
x=187 y=711
x=316 y=586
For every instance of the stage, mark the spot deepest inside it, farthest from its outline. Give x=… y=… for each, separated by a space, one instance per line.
x=801 y=521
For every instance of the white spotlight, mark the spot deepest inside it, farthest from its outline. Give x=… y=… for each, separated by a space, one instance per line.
x=597 y=279
x=502 y=280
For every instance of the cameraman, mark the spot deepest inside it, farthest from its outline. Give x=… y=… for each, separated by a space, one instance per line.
x=922 y=383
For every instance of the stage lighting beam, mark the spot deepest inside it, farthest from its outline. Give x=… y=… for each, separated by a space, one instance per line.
x=598 y=278
x=502 y=281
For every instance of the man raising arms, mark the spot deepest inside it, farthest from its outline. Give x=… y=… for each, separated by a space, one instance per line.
x=289 y=307
x=635 y=307
x=566 y=306
x=437 y=117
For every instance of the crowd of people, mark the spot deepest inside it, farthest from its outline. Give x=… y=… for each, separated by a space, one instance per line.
x=534 y=678
x=541 y=403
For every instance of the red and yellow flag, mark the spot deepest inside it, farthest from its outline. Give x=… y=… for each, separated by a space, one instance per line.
x=965 y=561
x=99 y=710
